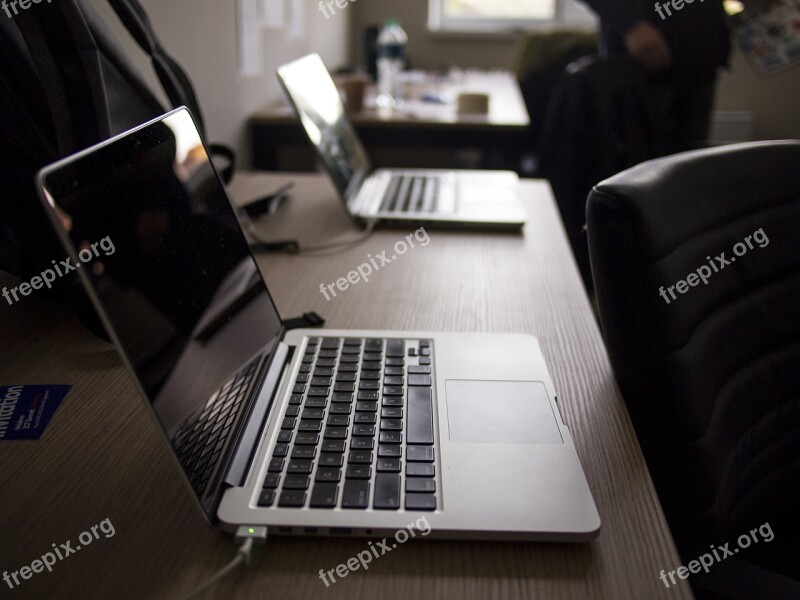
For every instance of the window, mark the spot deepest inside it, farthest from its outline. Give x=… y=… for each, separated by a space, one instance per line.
x=504 y=15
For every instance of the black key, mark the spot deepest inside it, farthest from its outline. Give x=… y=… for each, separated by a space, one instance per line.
x=326 y=362
x=355 y=494
x=367 y=395
x=284 y=437
x=390 y=451
x=336 y=433
x=393 y=380
x=310 y=426
x=370 y=375
x=359 y=457
x=412 y=352
x=319 y=391
x=365 y=406
x=425 y=360
x=420 y=470
x=363 y=443
x=343 y=397
x=332 y=446
x=292 y=411
x=346 y=377
x=338 y=421
x=424 y=351
x=272 y=480
x=316 y=402
x=369 y=386
x=371 y=366
x=420 y=502
x=395 y=362
x=348 y=369
x=296 y=482
x=373 y=345
x=327 y=459
x=308 y=358
x=308 y=452
x=387 y=491
x=324 y=495
x=393 y=401
x=323 y=372
x=321 y=381
x=329 y=343
x=420 y=416
x=359 y=472
x=296 y=399
x=395 y=348
x=328 y=353
x=330 y=474
x=313 y=413
x=307 y=438
x=371 y=356
x=351 y=350
x=276 y=465
x=344 y=387
x=341 y=409
x=363 y=418
x=424 y=380
x=420 y=454
x=305 y=368
x=292 y=498
x=391 y=437
x=288 y=423
x=392 y=413
x=297 y=467
x=394 y=371
x=388 y=465
x=352 y=341
x=266 y=498
x=424 y=343
x=391 y=425
x=363 y=430
x=280 y=451
x=299 y=388
x=419 y=370
x=302 y=378
x=416 y=484
x=392 y=391
x=349 y=358
x=312 y=341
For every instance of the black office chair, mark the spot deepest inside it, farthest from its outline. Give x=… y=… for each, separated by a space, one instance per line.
x=696 y=265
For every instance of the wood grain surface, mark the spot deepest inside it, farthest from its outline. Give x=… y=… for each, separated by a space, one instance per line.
x=102 y=457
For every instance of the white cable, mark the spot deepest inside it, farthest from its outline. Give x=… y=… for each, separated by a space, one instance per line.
x=242 y=558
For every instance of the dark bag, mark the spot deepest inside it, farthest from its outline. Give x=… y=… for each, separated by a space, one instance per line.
x=67 y=83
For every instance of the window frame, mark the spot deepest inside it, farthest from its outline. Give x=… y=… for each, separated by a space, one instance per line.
x=438 y=23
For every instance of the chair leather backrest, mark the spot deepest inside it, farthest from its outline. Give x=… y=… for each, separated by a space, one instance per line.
x=711 y=376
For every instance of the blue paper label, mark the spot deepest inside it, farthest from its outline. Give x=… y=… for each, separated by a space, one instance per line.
x=26 y=410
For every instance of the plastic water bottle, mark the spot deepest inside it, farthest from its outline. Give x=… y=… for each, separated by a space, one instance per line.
x=391 y=61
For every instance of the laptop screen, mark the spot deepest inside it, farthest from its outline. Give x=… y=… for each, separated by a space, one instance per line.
x=167 y=260
x=316 y=100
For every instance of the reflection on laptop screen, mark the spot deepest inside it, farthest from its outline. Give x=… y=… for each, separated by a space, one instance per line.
x=181 y=289
x=317 y=102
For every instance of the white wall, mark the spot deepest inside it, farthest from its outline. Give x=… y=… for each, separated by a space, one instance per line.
x=201 y=35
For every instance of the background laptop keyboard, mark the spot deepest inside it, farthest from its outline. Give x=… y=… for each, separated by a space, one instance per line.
x=358 y=432
x=412 y=193
x=199 y=442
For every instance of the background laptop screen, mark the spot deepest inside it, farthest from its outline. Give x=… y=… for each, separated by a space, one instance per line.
x=313 y=93
x=181 y=288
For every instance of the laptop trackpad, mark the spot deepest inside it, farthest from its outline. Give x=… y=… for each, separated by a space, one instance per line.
x=501 y=412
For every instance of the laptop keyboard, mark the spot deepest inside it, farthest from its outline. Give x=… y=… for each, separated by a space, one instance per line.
x=358 y=432
x=199 y=442
x=412 y=193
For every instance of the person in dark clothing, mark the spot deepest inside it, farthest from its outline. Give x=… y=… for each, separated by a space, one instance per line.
x=682 y=44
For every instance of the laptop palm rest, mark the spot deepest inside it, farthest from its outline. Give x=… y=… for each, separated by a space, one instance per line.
x=502 y=412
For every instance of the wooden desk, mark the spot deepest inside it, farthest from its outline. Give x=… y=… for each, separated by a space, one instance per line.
x=417 y=135
x=103 y=458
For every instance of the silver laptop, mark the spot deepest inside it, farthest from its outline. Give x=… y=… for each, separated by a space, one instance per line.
x=419 y=196
x=305 y=431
